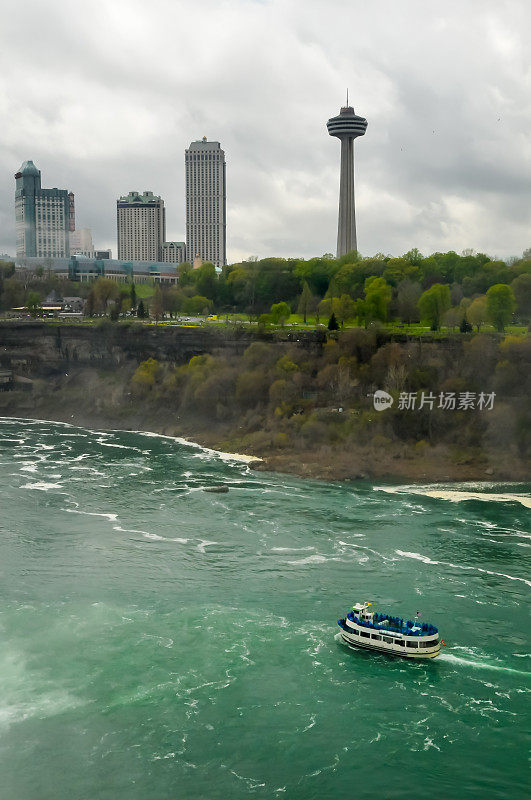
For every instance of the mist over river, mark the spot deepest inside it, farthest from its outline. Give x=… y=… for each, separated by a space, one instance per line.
x=159 y=641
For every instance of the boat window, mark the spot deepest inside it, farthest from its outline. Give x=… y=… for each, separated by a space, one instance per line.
x=431 y=643
x=363 y=633
x=387 y=639
x=399 y=641
x=375 y=636
x=412 y=644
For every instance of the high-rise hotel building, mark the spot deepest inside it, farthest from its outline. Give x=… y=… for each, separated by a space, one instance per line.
x=141 y=222
x=42 y=216
x=205 y=202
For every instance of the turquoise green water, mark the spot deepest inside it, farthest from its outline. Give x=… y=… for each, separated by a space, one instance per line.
x=158 y=641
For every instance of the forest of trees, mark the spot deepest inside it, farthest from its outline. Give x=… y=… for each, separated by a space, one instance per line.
x=446 y=290
x=295 y=400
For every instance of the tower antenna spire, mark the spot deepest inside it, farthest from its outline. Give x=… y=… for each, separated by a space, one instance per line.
x=347 y=98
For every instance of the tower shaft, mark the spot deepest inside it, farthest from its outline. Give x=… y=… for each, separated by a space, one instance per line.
x=346 y=227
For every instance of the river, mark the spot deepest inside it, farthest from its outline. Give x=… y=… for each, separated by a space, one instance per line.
x=159 y=641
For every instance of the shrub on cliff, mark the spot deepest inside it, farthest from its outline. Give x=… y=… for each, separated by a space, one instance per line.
x=145 y=376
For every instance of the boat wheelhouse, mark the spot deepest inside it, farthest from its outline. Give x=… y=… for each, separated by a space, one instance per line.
x=389 y=634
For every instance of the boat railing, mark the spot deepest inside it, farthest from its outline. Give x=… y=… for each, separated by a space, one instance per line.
x=385 y=622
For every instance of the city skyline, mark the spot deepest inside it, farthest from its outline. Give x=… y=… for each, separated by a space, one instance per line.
x=445 y=165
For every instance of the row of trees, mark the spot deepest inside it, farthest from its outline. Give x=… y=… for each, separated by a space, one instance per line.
x=442 y=289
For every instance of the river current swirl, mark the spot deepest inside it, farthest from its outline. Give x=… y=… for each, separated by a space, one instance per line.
x=160 y=641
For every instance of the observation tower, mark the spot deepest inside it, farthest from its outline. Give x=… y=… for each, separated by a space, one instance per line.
x=346 y=126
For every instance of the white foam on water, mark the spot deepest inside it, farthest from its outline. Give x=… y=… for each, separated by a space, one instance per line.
x=455 y=496
x=426 y=560
x=207 y=450
x=118 y=446
x=148 y=535
x=42 y=486
x=26 y=694
x=290 y=549
x=111 y=517
x=315 y=559
x=369 y=549
x=204 y=543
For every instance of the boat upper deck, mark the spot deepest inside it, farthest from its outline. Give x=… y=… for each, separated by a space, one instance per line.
x=386 y=622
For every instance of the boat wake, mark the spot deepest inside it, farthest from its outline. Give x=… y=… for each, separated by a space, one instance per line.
x=449 y=658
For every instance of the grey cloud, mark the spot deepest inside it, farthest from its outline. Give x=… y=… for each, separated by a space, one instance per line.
x=107 y=100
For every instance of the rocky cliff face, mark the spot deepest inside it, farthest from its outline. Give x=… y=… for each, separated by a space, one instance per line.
x=39 y=349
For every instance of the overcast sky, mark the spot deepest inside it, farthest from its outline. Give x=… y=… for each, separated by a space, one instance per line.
x=105 y=95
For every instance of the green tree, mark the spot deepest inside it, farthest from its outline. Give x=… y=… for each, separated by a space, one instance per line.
x=141 y=311
x=332 y=323
x=433 y=303
x=196 y=305
x=12 y=293
x=105 y=290
x=305 y=300
x=133 y=297
x=500 y=305
x=318 y=272
x=344 y=308
x=378 y=295
x=156 y=306
x=173 y=299
x=206 y=280
x=280 y=313
x=453 y=317
x=521 y=287
x=407 y=300
x=400 y=269
x=34 y=303
x=477 y=312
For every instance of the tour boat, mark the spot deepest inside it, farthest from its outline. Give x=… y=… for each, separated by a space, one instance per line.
x=389 y=634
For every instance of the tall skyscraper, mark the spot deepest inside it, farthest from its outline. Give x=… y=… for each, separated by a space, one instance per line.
x=41 y=216
x=347 y=126
x=141 y=220
x=71 y=212
x=206 y=224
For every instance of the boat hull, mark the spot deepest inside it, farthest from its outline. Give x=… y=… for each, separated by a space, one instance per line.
x=391 y=650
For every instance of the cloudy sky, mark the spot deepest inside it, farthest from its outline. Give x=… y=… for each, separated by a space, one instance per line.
x=105 y=95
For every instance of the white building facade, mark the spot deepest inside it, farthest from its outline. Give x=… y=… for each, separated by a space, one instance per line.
x=172 y=252
x=206 y=227
x=81 y=243
x=141 y=226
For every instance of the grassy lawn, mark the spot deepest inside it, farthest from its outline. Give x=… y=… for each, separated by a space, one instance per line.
x=295 y=322
x=144 y=290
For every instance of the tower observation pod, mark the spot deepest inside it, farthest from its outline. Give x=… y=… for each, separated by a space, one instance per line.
x=346 y=126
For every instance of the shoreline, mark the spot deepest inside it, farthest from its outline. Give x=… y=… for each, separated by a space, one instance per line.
x=410 y=467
